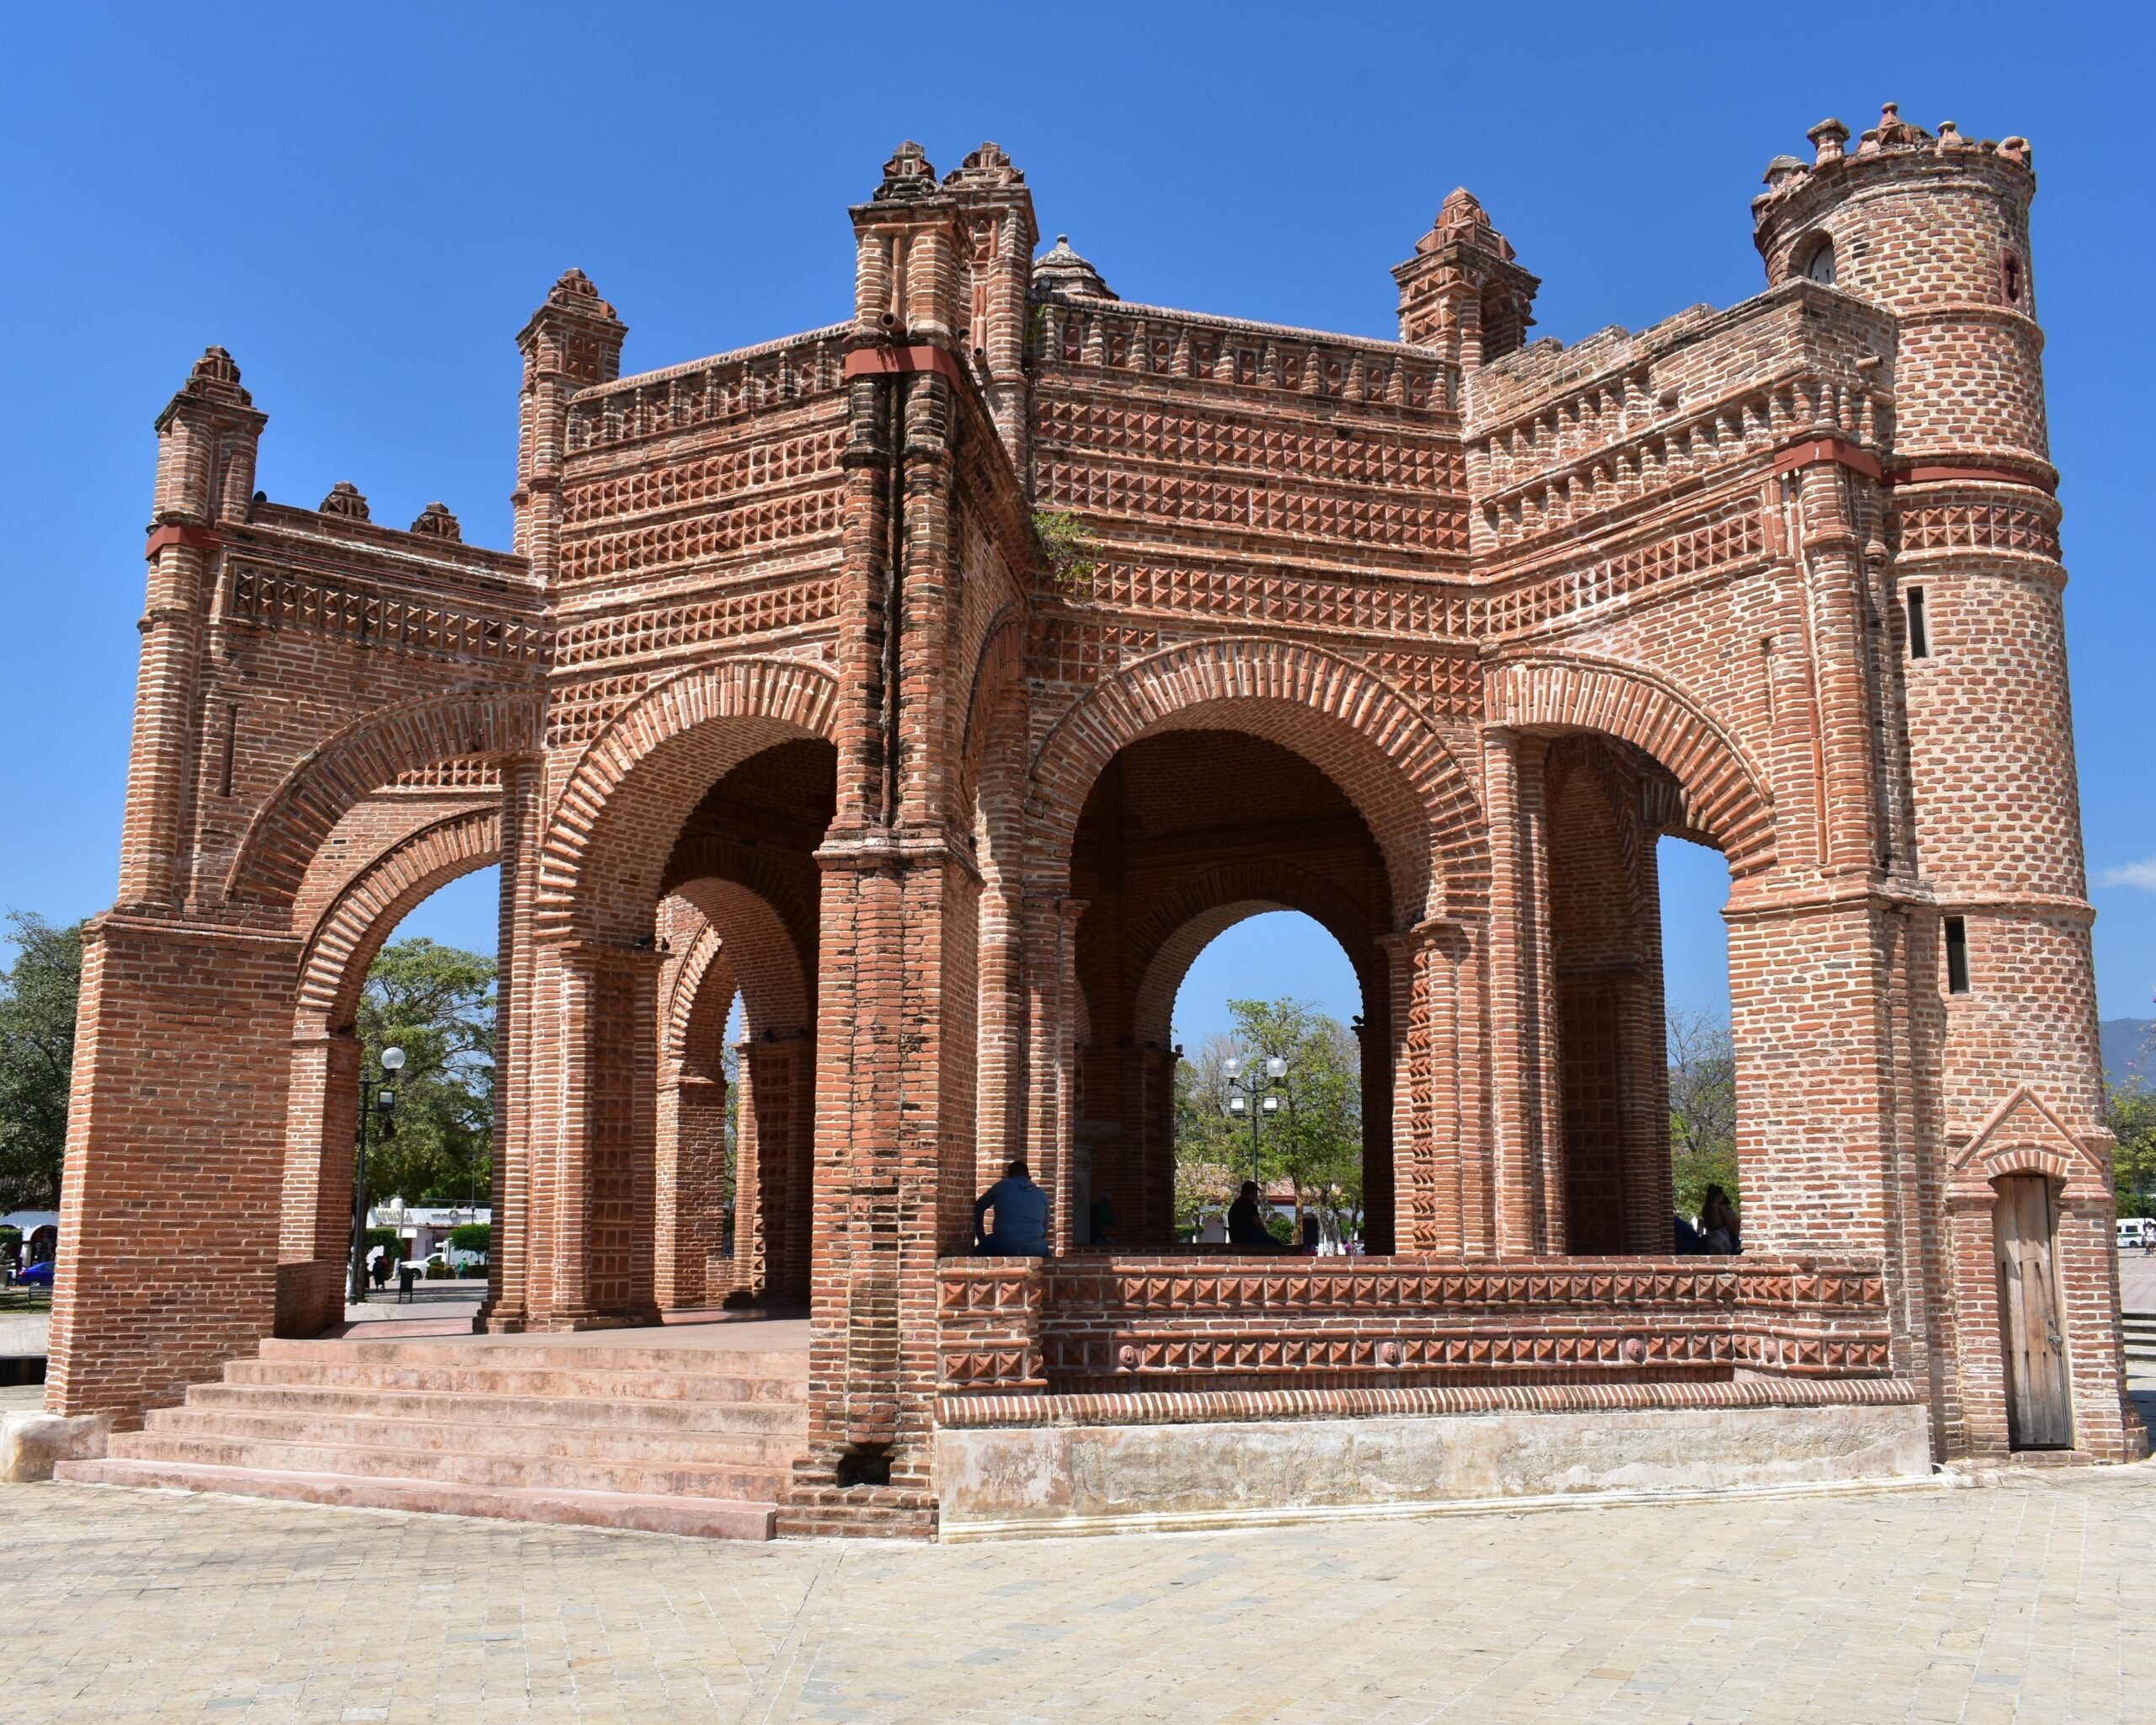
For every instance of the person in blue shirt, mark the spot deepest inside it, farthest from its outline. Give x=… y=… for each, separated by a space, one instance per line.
x=1021 y=1229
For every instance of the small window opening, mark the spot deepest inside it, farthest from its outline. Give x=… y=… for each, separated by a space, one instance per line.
x=865 y=1465
x=1920 y=626
x=1957 y=955
x=1815 y=260
x=2010 y=278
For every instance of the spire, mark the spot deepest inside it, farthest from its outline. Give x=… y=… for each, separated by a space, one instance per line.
x=908 y=174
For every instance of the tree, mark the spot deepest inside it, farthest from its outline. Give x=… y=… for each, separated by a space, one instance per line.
x=2130 y=1111
x=437 y=1004
x=1702 y=1108
x=1315 y=1139
x=37 y=996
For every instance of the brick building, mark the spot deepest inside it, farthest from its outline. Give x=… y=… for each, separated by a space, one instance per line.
x=784 y=691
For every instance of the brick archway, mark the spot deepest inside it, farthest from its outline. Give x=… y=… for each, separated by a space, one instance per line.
x=1726 y=800
x=704 y=962
x=1355 y=728
x=314 y=1233
x=608 y=841
x=346 y=937
x=744 y=943
x=1209 y=904
x=284 y=836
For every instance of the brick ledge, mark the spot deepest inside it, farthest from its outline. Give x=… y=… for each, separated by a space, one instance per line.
x=1198 y=1406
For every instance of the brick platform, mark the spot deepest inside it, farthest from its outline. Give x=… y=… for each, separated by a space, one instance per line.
x=938 y=682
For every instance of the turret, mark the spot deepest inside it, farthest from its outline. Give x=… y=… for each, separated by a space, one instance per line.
x=207 y=439
x=572 y=342
x=1000 y=236
x=1463 y=292
x=1935 y=230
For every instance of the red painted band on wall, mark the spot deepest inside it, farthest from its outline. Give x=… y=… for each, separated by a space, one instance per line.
x=1827 y=448
x=888 y=361
x=196 y=538
x=1988 y=476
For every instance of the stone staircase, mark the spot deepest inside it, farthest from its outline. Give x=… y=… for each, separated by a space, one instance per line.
x=684 y=1432
x=2140 y=1333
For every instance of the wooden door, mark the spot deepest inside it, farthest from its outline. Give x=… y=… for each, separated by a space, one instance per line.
x=2039 y=1409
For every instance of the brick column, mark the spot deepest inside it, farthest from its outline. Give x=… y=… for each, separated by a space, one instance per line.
x=1528 y=1201
x=176 y=1137
x=511 y=1244
x=314 y=1249
x=690 y=1213
x=593 y=1227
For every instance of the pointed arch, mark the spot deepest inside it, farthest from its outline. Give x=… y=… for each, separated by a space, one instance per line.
x=1384 y=754
x=281 y=841
x=1726 y=798
x=610 y=834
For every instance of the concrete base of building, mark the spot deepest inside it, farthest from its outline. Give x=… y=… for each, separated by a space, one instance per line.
x=1057 y=1479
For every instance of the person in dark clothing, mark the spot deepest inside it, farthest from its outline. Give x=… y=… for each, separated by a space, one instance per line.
x=1246 y=1229
x=1689 y=1242
x=1718 y=1222
x=1021 y=1228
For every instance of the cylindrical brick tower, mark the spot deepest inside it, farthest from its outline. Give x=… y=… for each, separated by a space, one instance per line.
x=2004 y=1062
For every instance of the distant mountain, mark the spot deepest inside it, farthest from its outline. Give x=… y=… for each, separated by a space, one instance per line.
x=2128 y=1051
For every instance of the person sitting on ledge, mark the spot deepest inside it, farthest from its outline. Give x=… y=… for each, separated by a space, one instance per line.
x=1246 y=1229
x=1718 y=1223
x=1021 y=1208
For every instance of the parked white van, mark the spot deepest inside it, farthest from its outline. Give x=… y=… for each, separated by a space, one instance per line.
x=2137 y=1232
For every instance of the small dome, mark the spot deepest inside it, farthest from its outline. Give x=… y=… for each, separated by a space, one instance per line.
x=1060 y=270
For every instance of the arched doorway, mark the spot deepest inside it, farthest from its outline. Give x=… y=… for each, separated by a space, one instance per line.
x=1184 y=834
x=1270 y=982
x=382 y=860
x=741 y=917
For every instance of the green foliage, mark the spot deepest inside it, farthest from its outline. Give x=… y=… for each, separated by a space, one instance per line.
x=472 y=1236
x=38 y=995
x=1070 y=549
x=1315 y=1139
x=1702 y=1108
x=2130 y=1111
x=437 y=1004
x=387 y=1239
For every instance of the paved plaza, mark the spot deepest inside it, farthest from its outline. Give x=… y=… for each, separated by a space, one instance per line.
x=2030 y=1598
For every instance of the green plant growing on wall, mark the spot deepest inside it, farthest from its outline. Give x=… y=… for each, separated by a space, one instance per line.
x=1068 y=548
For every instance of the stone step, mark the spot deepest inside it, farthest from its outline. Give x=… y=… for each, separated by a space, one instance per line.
x=702 y=1517
x=693 y=1479
x=372 y=1430
x=748 y=1418
x=607 y=1382
x=538 y=1355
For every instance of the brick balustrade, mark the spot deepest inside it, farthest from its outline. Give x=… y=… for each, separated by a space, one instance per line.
x=1106 y=1323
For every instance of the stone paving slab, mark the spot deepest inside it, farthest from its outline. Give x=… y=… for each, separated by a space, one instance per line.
x=2029 y=1600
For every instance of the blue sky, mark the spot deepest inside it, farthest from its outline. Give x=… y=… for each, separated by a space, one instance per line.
x=363 y=204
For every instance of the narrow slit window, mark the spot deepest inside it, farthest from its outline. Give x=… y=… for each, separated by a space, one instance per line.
x=1920 y=626
x=1957 y=955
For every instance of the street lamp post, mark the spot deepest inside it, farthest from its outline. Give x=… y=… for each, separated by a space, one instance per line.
x=392 y=1062
x=1256 y=1093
